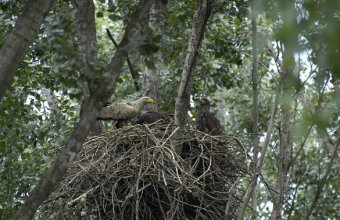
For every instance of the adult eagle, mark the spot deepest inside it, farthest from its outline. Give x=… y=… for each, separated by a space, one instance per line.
x=206 y=121
x=122 y=111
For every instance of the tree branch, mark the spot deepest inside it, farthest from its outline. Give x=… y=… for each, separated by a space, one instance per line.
x=87 y=41
x=260 y=161
x=134 y=73
x=17 y=42
x=88 y=114
x=197 y=32
x=323 y=180
x=255 y=110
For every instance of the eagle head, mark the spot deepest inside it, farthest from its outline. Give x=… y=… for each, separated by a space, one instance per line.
x=204 y=104
x=146 y=99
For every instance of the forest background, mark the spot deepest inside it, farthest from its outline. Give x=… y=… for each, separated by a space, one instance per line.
x=271 y=67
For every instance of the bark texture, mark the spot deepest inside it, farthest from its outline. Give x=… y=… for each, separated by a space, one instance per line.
x=17 y=42
x=197 y=33
x=89 y=112
x=151 y=76
x=86 y=24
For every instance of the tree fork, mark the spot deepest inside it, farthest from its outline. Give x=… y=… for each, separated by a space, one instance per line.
x=134 y=73
x=88 y=115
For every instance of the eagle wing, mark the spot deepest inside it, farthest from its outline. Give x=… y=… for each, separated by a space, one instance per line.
x=117 y=111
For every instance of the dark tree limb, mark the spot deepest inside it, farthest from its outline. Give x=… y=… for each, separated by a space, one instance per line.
x=17 y=42
x=89 y=112
x=134 y=73
x=197 y=33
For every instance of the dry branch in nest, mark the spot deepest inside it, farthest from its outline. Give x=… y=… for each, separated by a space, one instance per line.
x=133 y=173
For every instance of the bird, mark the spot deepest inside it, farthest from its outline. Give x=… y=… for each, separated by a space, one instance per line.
x=152 y=116
x=206 y=121
x=123 y=111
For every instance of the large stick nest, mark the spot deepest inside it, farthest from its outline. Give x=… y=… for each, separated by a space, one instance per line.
x=133 y=173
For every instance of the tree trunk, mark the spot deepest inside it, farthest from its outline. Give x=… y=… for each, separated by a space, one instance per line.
x=17 y=42
x=183 y=97
x=89 y=112
x=151 y=76
x=285 y=151
x=283 y=163
x=255 y=110
x=264 y=148
x=86 y=24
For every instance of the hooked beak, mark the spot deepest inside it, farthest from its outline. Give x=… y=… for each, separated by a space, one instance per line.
x=150 y=100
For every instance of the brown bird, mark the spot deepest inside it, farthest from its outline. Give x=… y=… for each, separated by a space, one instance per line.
x=122 y=111
x=151 y=117
x=206 y=121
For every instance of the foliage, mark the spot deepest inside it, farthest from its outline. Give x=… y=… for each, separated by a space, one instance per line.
x=41 y=106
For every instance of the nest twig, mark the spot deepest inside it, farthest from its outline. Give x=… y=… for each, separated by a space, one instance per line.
x=133 y=173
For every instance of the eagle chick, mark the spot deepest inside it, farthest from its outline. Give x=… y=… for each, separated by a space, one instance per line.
x=206 y=121
x=151 y=117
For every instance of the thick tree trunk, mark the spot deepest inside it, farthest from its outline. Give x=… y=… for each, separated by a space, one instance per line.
x=89 y=112
x=87 y=39
x=15 y=46
x=183 y=97
x=151 y=76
